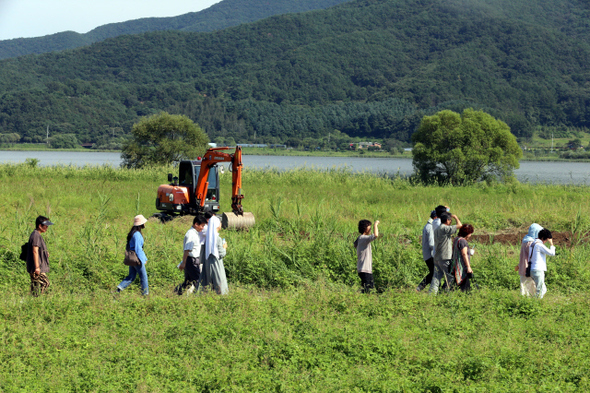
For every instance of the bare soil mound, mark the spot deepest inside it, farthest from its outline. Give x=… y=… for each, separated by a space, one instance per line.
x=561 y=238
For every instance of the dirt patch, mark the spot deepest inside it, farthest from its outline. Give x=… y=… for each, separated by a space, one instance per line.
x=559 y=238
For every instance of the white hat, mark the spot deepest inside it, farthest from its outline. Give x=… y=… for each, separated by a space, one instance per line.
x=139 y=220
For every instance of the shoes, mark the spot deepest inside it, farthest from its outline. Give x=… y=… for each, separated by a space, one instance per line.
x=190 y=290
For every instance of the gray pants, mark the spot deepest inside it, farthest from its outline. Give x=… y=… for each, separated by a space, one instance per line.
x=213 y=273
x=441 y=269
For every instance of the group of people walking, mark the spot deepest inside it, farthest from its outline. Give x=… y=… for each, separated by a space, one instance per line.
x=444 y=256
x=204 y=250
x=202 y=259
x=451 y=258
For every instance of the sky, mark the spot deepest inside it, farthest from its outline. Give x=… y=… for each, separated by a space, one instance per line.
x=36 y=18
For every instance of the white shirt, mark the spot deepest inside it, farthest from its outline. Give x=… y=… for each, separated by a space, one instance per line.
x=538 y=255
x=192 y=242
x=428 y=241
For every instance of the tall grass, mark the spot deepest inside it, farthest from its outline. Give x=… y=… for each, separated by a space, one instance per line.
x=306 y=223
x=294 y=319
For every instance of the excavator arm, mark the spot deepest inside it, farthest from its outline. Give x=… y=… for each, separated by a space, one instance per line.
x=212 y=157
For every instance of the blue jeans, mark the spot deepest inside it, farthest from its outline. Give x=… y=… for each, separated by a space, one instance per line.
x=538 y=277
x=133 y=272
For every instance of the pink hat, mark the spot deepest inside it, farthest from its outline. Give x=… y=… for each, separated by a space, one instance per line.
x=139 y=220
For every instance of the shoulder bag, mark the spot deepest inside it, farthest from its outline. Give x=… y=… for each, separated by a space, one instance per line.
x=530 y=261
x=131 y=258
x=457 y=267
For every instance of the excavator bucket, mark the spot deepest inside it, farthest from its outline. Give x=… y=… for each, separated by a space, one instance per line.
x=236 y=221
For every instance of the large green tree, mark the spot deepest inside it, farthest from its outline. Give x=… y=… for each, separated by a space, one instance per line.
x=464 y=148
x=64 y=141
x=163 y=138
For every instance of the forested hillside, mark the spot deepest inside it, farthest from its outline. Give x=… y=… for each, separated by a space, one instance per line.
x=367 y=68
x=219 y=16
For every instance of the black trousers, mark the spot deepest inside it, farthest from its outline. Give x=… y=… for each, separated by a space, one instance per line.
x=367 y=282
x=426 y=281
x=192 y=271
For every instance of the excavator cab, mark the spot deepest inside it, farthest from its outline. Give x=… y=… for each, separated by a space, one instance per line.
x=178 y=197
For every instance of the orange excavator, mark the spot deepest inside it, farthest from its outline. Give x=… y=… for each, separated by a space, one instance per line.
x=196 y=189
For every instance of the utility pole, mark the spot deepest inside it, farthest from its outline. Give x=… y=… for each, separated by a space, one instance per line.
x=47 y=137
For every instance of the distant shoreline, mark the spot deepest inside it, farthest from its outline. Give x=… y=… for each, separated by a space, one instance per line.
x=253 y=151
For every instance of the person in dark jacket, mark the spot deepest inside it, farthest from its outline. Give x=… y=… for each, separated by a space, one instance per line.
x=38 y=257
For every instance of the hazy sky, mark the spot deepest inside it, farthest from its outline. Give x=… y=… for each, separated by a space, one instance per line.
x=35 y=18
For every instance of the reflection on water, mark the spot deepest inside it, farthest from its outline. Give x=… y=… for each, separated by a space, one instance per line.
x=529 y=171
x=48 y=158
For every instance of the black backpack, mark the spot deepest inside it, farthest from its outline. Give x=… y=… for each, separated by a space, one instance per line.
x=24 y=250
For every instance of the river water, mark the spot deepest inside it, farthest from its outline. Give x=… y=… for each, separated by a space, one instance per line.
x=529 y=171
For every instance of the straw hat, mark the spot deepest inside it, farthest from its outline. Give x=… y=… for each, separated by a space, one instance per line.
x=139 y=220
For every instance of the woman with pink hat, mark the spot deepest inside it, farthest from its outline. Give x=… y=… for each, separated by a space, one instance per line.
x=135 y=243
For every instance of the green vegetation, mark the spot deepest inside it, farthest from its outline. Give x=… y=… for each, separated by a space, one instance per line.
x=366 y=69
x=224 y=14
x=464 y=148
x=313 y=339
x=294 y=319
x=162 y=139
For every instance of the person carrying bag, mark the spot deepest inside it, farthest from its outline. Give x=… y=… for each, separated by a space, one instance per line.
x=135 y=258
x=461 y=264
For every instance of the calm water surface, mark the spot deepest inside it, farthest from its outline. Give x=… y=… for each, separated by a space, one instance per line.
x=531 y=171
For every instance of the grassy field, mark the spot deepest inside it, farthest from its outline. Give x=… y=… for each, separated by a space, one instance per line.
x=294 y=319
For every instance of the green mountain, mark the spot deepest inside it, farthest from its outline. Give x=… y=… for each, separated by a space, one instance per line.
x=219 y=16
x=368 y=68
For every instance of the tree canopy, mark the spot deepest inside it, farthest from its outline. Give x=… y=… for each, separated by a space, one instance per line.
x=370 y=69
x=64 y=141
x=162 y=139
x=464 y=148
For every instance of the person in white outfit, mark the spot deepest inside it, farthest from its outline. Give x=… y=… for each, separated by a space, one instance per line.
x=538 y=262
x=212 y=255
x=527 y=285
